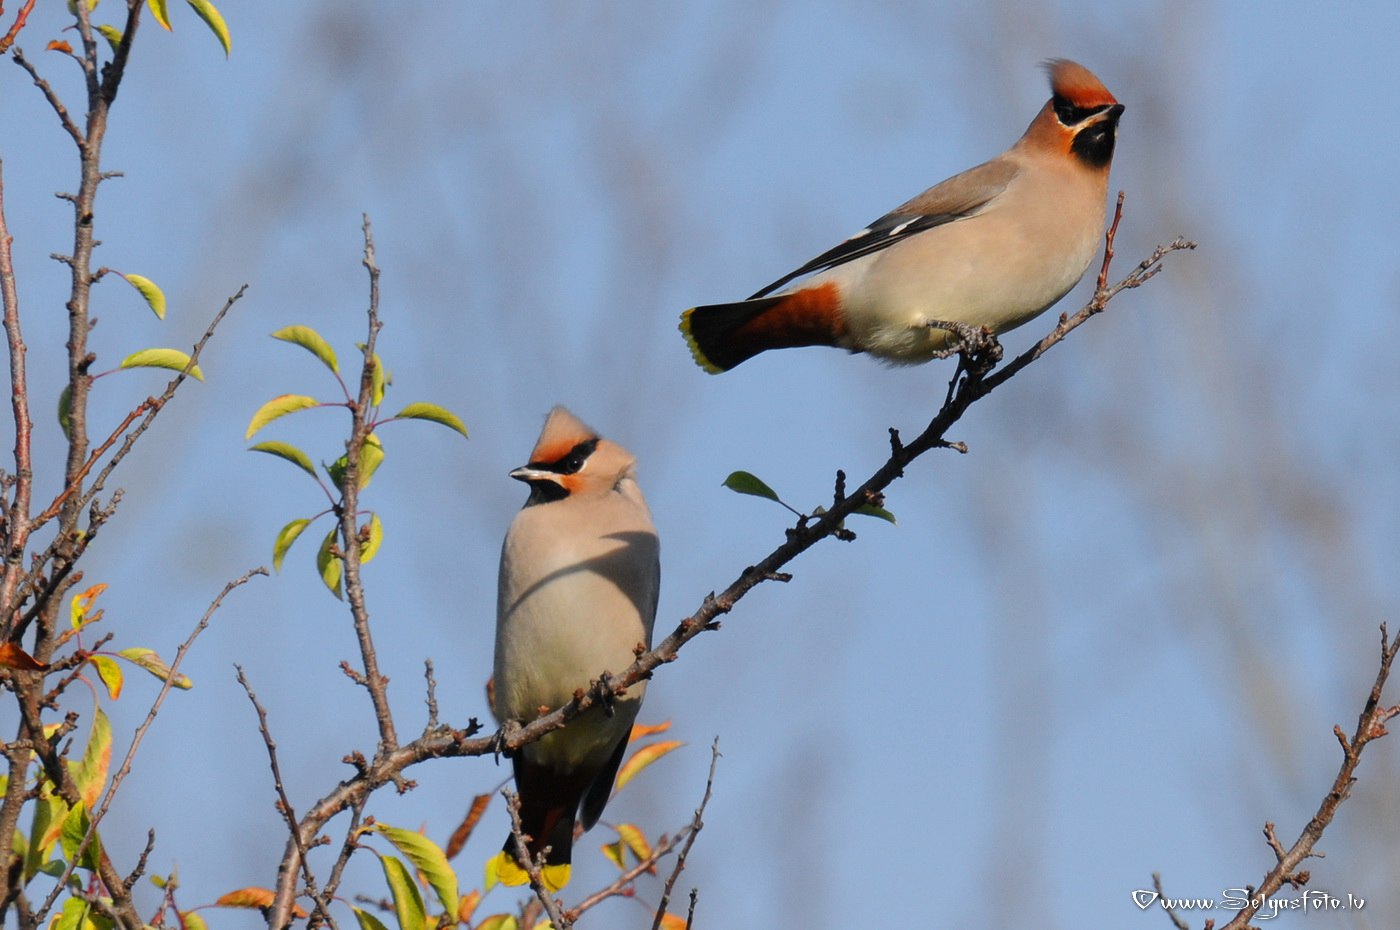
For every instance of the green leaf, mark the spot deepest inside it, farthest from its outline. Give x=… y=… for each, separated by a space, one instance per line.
x=154 y=296
x=73 y=916
x=422 y=411
x=90 y=772
x=173 y=359
x=113 y=35
x=428 y=859
x=160 y=12
x=408 y=903
x=285 y=537
x=870 y=510
x=210 y=14
x=278 y=407
x=373 y=539
x=745 y=483
x=47 y=823
x=367 y=920
x=75 y=827
x=285 y=450
x=311 y=341
x=371 y=456
x=328 y=564
x=147 y=659
x=191 y=920
x=65 y=408
x=110 y=672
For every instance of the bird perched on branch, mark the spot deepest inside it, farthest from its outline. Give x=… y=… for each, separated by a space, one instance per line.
x=579 y=578
x=992 y=247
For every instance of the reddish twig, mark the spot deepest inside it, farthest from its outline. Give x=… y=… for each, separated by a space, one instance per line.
x=20 y=19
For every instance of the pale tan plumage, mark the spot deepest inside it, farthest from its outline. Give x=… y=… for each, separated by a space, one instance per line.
x=993 y=246
x=577 y=595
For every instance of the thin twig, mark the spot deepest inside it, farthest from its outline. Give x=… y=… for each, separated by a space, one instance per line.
x=533 y=865
x=1176 y=920
x=17 y=528
x=125 y=768
x=697 y=825
x=446 y=741
x=1370 y=725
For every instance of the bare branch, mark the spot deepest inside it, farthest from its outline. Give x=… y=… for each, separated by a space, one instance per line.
x=696 y=825
x=533 y=865
x=284 y=803
x=1370 y=725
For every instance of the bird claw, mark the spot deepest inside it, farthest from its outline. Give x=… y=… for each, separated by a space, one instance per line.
x=968 y=340
x=499 y=742
x=607 y=698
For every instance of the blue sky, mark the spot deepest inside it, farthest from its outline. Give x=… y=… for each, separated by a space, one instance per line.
x=1110 y=640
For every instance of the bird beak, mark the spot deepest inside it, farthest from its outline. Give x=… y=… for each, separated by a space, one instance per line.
x=1112 y=113
x=527 y=474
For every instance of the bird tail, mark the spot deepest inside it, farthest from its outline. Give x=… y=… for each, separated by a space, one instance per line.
x=722 y=336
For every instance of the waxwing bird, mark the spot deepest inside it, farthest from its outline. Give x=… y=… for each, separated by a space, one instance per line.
x=991 y=247
x=579 y=578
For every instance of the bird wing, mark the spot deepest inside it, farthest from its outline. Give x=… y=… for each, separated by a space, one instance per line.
x=960 y=196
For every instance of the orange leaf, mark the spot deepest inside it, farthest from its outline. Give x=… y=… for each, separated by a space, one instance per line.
x=467 y=907
x=671 y=921
x=58 y=45
x=459 y=836
x=642 y=758
x=640 y=730
x=255 y=898
x=11 y=656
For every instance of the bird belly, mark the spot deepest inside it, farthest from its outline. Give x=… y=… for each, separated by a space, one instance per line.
x=561 y=623
x=998 y=279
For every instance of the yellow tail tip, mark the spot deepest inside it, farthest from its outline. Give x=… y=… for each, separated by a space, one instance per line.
x=695 y=351
x=508 y=872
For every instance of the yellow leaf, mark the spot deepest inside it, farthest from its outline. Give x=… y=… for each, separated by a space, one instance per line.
x=155 y=297
x=112 y=34
x=642 y=758
x=632 y=836
x=278 y=407
x=147 y=659
x=311 y=341
x=373 y=535
x=173 y=359
x=432 y=413
x=110 y=672
x=82 y=603
x=210 y=14
x=615 y=852
x=429 y=860
x=499 y=922
x=328 y=564
x=285 y=537
x=160 y=12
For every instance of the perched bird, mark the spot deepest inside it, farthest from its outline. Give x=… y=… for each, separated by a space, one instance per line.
x=991 y=247
x=580 y=573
